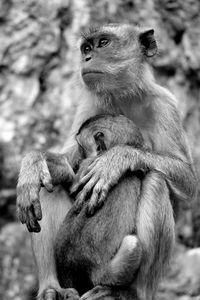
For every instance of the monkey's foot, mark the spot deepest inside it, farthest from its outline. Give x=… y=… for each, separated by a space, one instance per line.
x=99 y=293
x=49 y=294
x=71 y=294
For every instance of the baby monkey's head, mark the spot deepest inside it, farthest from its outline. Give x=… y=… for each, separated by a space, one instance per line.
x=102 y=132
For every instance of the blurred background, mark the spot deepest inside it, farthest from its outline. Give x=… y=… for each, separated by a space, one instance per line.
x=38 y=97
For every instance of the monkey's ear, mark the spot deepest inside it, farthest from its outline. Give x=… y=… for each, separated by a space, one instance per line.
x=148 y=42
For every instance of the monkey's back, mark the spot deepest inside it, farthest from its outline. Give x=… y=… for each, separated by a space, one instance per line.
x=86 y=243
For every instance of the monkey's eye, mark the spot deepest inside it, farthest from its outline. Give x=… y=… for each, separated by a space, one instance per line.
x=86 y=48
x=103 y=42
x=99 y=135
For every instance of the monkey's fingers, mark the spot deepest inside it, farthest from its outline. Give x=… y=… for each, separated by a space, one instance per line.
x=21 y=214
x=102 y=197
x=30 y=227
x=78 y=204
x=82 y=196
x=96 y=200
x=23 y=202
x=92 y=165
x=97 y=293
x=31 y=223
x=35 y=203
x=37 y=209
x=46 y=181
x=49 y=294
x=89 y=169
x=70 y=171
x=81 y=183
x=27 y=212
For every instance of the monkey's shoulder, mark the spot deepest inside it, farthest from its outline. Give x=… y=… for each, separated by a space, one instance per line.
x=166 y=134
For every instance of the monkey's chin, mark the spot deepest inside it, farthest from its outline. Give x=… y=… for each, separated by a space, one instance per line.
x=93 y=80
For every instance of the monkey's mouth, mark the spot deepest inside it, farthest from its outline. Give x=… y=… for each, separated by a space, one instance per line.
x=90 y=72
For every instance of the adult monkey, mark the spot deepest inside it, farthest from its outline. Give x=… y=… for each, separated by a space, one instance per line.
x=116 y=79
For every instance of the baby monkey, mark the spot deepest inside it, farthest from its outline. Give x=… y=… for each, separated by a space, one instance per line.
x=114 y=252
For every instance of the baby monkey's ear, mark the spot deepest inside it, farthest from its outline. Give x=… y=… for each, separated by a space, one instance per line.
x=99 y=139
x=98 y=136
x=148 y=42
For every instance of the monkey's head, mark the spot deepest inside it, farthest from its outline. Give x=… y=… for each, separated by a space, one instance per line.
x=103 y=132
x=114 y=57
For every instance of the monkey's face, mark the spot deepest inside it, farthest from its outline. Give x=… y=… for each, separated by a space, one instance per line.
x=112 y=56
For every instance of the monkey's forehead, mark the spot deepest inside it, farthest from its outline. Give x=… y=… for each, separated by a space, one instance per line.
x=118 y=30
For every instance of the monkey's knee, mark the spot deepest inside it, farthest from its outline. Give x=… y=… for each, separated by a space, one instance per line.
x=130 y=246
x=122 y=268
x=128 y=257
x=129 y=243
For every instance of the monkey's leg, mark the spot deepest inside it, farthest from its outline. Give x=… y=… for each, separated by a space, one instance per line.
x=54 y=206
x=121 y=270
x=155 y=230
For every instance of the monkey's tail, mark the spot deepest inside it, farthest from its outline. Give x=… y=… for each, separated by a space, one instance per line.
x=155 y=230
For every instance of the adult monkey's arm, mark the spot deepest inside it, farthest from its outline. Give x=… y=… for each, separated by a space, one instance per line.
x=174 y=163
x=47 y=169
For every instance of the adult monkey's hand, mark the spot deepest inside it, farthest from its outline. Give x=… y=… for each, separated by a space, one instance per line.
x=38 y=170
x=107 y=169
x=99 y=177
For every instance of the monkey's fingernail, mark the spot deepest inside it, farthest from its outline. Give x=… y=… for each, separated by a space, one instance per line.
x=39 y=218
x=73 y=195
x=37 y=228
x=49 y=187
x=73 y=189
x=29 y=227
x=90 y=211
x=73 y=192
x=77 y=210
x=100 y=204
